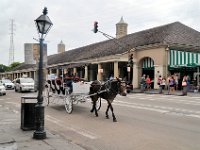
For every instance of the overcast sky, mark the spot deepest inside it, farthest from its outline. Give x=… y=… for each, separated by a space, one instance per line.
x=73 y=20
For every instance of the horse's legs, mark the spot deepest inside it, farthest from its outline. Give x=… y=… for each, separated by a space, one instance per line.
x=94 y=107
x=113 y=115
x=107 y=116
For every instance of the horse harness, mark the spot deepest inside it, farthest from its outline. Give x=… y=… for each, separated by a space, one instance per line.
x=108 y=87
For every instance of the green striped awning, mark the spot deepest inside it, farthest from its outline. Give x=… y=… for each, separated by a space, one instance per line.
x=182 y=58
x=147 y=63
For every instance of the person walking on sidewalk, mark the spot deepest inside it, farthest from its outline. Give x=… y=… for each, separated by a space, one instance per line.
x=167 y=83
x=148 y=82
x=171 y=85
x=143 y=83
x=159 y=81
x=184 y=85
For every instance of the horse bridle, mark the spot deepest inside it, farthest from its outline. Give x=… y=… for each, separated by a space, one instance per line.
x=108 y=86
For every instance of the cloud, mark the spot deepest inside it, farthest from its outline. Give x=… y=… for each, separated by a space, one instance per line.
x=73 y=20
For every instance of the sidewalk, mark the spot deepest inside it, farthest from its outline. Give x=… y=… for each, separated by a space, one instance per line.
x=165 y=92
x=13 y=138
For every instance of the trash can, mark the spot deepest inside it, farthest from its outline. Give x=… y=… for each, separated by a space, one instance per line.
x=184 y=90
x=28 y=112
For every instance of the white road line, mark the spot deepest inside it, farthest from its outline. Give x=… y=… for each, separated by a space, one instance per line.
x=79 y=131
x=179 y=101
x=160 y=109
x=144 y=108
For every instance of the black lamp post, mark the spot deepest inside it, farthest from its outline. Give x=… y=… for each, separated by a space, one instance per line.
x=43 y=24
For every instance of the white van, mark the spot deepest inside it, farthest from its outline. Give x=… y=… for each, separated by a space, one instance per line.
x=24 y=84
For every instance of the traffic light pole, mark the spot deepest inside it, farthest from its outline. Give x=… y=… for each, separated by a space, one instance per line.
x=112 y=38
x=130 y=56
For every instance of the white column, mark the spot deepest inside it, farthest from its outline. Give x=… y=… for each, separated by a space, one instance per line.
x=86 y=73
x=75 y=71
x=57 y=72
x=116 y=70
x=135 y=80
x=99 y=75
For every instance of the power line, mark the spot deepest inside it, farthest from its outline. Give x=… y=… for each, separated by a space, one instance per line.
x=11 y=49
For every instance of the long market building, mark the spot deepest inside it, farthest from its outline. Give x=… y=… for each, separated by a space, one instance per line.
x=168 y=49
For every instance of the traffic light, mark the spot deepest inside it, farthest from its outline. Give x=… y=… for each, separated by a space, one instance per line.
x=95 y=27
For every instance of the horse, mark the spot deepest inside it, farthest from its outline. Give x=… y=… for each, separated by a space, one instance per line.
x=107 y=91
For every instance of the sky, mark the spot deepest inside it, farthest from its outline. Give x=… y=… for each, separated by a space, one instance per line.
x=73 y=20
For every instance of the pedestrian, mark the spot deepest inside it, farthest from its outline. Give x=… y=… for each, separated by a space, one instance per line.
x=148 y=82
x=188 y=82
x=167 y=83
x=176 y=81
x=163 y=83
x=184 y=85
x=143 y=83
x=171 y=85
x=111 y=77
x=159 y=80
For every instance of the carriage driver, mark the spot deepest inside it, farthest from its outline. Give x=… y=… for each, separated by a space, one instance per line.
x=68 y=80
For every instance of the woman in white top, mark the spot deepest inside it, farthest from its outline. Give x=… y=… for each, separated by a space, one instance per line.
x=163 y=83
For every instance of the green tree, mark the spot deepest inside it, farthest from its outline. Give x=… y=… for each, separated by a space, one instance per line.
x=3 y=68
x=14 y=64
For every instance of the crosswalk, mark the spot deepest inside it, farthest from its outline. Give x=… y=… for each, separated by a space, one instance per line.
x=166 y=104
x=167 y=98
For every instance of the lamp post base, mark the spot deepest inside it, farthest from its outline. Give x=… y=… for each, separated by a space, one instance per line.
x=39 y=135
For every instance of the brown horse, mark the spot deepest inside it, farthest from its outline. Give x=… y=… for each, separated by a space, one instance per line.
x=107 y=91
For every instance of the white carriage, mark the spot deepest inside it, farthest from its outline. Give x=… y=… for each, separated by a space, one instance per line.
x=58 y=92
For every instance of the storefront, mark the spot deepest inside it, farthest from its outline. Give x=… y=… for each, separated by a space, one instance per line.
x=184 y=63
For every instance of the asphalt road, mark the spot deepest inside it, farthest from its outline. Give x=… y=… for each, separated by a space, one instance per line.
x=145 y=122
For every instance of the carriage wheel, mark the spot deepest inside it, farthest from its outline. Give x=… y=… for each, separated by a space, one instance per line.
x=46 y=96
x=68 y=104
x=98 y=104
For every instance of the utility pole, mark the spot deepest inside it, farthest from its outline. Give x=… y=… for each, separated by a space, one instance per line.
x=11 y=49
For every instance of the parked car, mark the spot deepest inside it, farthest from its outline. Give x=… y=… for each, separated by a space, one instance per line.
x=2 y=89
x=24 y=84
x=7 y=83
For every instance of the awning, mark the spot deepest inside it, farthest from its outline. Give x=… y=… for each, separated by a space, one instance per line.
x=147 y=63
x=183 y=59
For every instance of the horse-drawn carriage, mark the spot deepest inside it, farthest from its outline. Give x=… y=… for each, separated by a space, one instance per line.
x=80 y=91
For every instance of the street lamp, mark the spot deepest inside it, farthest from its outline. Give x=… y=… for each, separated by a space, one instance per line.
x=43 y=24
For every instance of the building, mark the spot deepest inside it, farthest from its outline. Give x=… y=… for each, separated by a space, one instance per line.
x=61 y=47
x=163 y=50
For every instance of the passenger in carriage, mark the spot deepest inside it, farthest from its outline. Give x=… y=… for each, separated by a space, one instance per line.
x=68 y=80
x=76 y=78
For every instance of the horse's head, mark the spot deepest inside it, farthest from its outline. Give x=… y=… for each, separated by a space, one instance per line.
x=118 y=86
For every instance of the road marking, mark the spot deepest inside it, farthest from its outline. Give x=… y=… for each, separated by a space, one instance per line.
x=161 y=109
x=79 y=131
x=181 y=101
